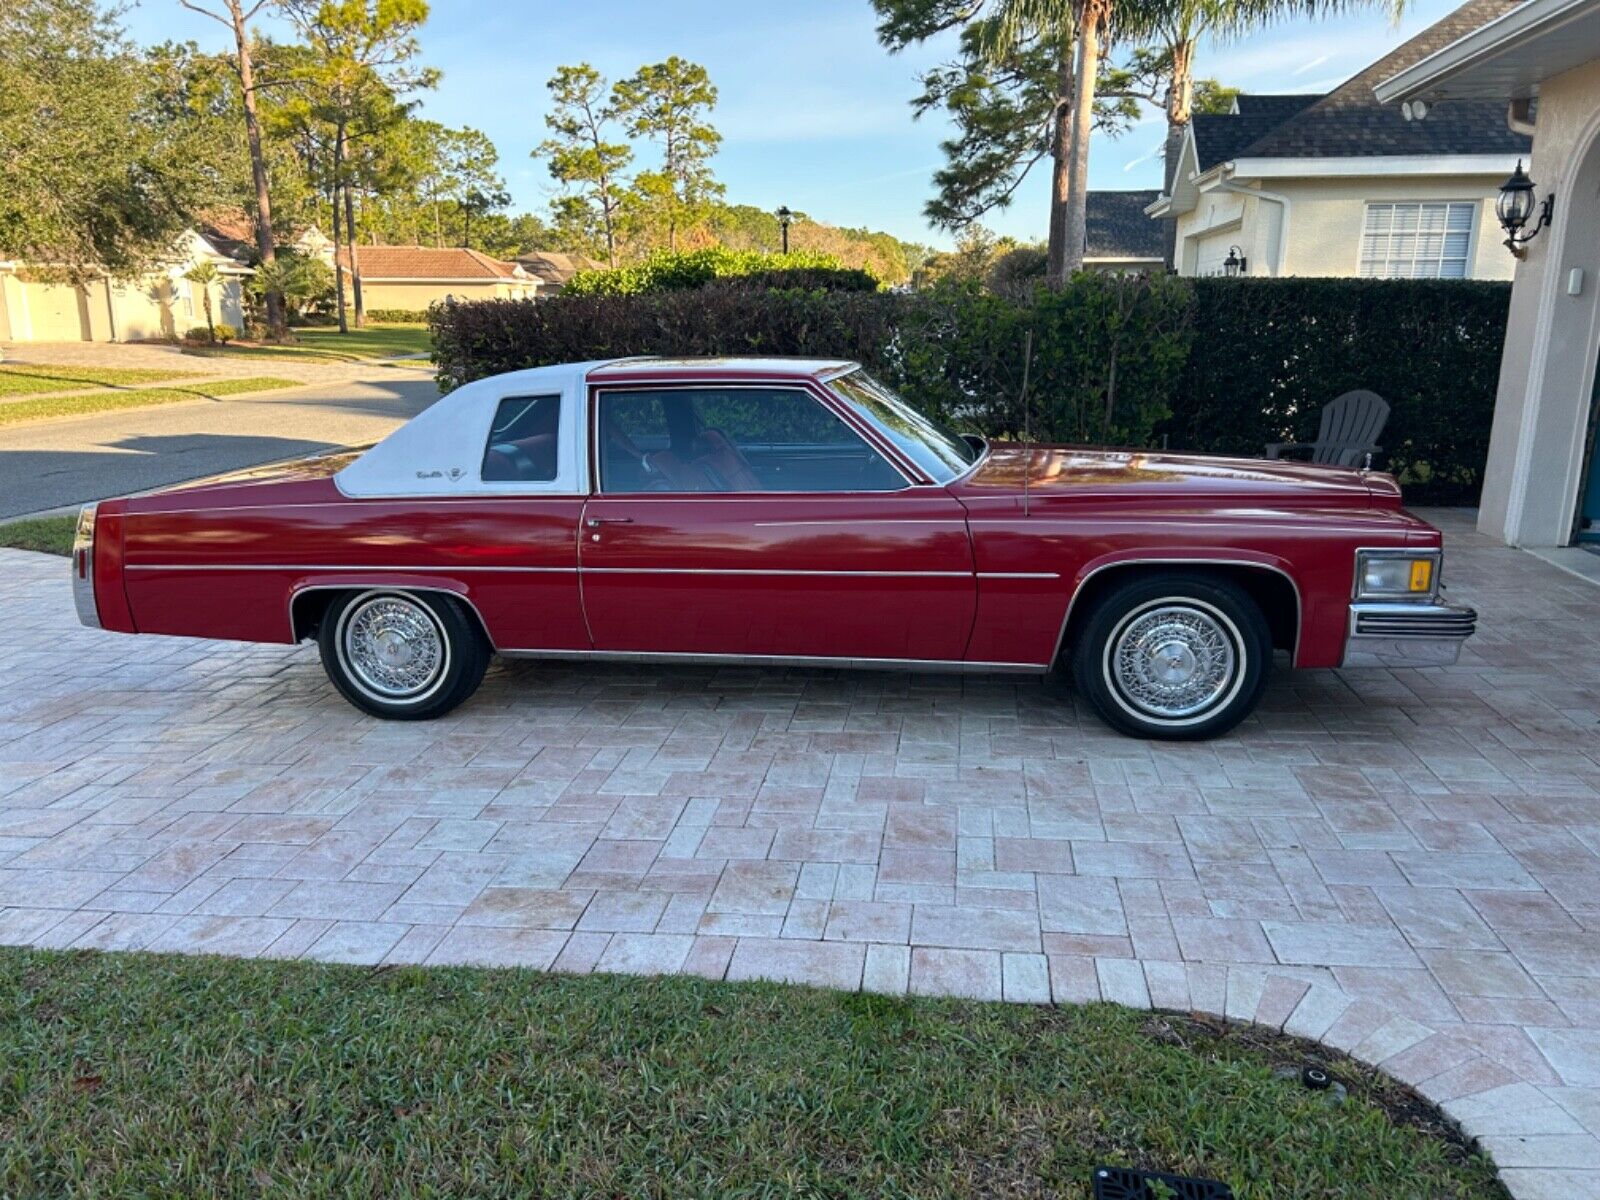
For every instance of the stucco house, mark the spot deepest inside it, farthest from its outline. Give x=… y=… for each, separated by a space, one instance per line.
x=38 y=306
x=413 y=277
x=1343 y=185
x=1538 y=64
x=1118 y=236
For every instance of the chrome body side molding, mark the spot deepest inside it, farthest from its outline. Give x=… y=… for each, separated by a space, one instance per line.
x=782 y=660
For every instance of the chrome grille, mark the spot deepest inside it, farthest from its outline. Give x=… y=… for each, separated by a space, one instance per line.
x=1453 y=624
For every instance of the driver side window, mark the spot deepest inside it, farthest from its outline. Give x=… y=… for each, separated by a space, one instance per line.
x=732 y=439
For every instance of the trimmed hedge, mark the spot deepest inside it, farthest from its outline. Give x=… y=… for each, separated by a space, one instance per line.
x=1216 y=365
x=398 y=316
x=690 y=269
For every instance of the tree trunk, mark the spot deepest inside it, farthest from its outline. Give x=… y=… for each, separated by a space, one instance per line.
x=266 y=248
x=1060 y=183
x=205 y=299
x=1091 y=25
x=350 y=233
x=1180 y=108
x=338 y=263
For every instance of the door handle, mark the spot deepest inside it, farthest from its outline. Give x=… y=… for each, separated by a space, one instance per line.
x=596 y=522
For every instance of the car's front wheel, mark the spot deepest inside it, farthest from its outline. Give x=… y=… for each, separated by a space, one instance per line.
x=1181 y=655
x=406 y=656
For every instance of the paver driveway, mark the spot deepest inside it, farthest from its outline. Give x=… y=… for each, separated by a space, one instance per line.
x=1405 y=866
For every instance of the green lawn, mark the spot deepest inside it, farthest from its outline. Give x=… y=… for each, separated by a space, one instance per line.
x=21 y=379
x=16 y=411
x=49 y=535
x=137 y=1075
x=373 y=341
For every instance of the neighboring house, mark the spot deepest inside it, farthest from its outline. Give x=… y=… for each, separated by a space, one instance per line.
x=1340 y=184
x=35 y=307
x=1120 y=237
x=413 y=277
x=1538 y=65
x=552 y=269
x=233 y=232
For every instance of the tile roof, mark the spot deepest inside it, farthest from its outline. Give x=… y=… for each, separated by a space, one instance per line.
x=1349 y=122
x=430 y=262
x=1119 y=228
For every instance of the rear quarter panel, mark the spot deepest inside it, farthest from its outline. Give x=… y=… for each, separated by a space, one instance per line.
x=225 y=563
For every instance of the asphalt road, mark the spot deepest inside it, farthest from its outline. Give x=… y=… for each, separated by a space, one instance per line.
x=51 y=464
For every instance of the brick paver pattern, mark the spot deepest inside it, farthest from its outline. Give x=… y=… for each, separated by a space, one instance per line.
x=1403 y=865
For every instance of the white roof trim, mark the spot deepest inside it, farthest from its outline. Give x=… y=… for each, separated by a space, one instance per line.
x=1373 y=165
x=1533 y=19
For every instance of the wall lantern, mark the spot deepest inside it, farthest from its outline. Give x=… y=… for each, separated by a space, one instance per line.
x=1235 y=264
x=784 y=217
x=1514 y=207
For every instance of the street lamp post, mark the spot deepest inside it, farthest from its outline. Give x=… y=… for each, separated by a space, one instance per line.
x=784 y=217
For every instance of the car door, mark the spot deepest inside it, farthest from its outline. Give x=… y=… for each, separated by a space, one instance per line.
x=748 y=520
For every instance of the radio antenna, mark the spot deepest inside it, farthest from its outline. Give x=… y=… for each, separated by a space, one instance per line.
x=1027 y=425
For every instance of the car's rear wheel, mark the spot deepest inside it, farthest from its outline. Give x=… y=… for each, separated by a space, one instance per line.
x=1175 y=656
x=406 y=656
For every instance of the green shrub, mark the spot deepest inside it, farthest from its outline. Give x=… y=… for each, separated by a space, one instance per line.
x=1269 y=353
x=225 y=333
x=398 y=316
x=1216 y=365
x=197 y=334
x=668 y=272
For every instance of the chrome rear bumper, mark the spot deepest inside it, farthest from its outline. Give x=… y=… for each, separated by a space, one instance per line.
x=83 y=569
x=1407 y=634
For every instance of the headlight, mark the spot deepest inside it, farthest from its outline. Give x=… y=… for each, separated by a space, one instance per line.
x=1397 y=574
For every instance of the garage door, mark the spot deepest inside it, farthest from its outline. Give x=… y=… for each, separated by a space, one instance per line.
x=1209 y=255
x=57 y=311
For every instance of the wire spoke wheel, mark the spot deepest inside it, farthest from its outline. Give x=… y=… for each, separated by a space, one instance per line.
x=393 y=648
x=1174 y=660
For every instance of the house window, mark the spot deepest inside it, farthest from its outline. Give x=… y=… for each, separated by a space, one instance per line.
x=1417 y=241
x=183 y=293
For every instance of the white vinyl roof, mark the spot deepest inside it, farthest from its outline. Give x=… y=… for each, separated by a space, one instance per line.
x=439 y=452
x=1504 y=59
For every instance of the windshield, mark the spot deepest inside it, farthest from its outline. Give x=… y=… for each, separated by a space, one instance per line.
x=942 y=454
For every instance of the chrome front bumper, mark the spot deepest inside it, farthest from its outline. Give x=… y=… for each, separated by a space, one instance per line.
x=83 y=569
x=1407 y=634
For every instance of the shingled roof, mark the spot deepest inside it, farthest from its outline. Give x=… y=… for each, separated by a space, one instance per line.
x=1118 y=227
x=1349 y=122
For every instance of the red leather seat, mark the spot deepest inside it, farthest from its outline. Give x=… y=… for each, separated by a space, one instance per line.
x=716 y=454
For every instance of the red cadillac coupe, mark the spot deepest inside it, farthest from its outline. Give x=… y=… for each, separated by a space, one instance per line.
x=776 y=511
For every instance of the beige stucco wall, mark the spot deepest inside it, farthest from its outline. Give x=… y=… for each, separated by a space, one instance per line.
x=417 y=296
x=1325 y=220
x=1547 y=374
x=33 y=310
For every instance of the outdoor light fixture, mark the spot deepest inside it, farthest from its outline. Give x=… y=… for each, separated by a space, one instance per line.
x=1235 y=263
x=784 y=217
x=1514 y=207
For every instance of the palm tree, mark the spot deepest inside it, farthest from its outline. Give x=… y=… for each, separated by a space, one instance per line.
x=204 y=273
x=1083 y=28
x=1178 y=25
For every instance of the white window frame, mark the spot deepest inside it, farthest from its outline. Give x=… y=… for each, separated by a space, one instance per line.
x=1473 y=207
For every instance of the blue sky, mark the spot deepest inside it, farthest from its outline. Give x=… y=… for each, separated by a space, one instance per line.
x=813 y=112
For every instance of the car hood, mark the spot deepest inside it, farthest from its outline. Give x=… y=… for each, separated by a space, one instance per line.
x=1139 y=474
